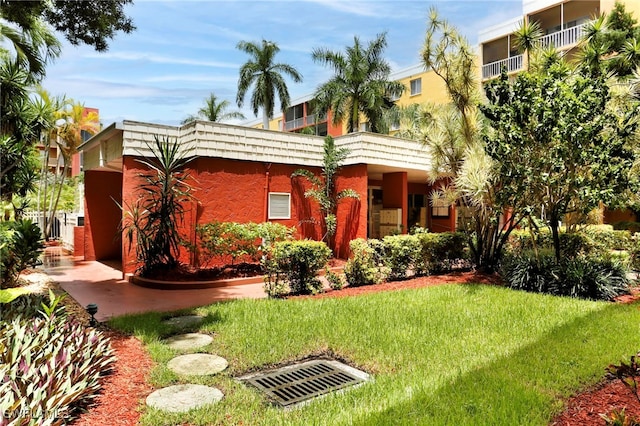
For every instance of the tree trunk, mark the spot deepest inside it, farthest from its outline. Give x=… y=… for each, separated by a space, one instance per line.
x=265 y=121
x=554 y=224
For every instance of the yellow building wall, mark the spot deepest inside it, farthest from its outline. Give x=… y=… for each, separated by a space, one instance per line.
x=433 y=90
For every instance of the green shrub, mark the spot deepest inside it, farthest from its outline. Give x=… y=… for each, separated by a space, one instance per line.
x=295 y=264
x=366 y=264
x=586 y=277
x=439 y=251
x=218 y=241
x=401 y=253
x=20 y=247
x=336 y=281
x=571 y=243
x=604 y=237
x=49 y=364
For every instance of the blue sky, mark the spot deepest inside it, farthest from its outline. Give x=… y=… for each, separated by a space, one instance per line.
x=184 y=50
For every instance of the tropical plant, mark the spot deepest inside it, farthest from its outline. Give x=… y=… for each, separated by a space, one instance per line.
x=460 y=167
x=152 y=221
x=526 y=37
x=214 y=111
x=68 y=137
x=266 y=77
x=611 y=45
x=360 y=84
x=33 y=46
x=48 y=364
x=324 y=191
x=20 y=247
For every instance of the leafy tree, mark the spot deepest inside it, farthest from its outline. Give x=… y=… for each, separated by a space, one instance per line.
x=93 y=23
x=360 y=85
x=558 y=143
x=214 y=111
x=261 y=72
x=153 y=220
x=323 y=190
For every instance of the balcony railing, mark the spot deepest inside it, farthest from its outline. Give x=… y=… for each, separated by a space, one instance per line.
x=493 y=69
x=301 y=122
x=563 y=38
x=294 y=124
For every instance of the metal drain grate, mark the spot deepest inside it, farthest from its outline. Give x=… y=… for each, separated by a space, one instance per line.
x=300 y=382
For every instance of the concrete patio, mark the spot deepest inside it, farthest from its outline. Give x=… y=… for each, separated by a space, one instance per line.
x=101 y=283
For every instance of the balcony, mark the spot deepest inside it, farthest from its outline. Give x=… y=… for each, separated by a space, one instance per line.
x=493 y=69
x=294 y=124
x=301 y=122
x=561 y=39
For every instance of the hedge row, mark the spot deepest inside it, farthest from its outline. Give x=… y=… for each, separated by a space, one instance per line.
x=395 y=257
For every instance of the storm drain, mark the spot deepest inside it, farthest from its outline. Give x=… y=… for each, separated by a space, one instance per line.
x=300 y=382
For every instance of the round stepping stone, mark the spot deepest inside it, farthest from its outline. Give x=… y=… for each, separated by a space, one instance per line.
x=197 y=364
x=182 y=398
x=185 y=342
x=184 y=321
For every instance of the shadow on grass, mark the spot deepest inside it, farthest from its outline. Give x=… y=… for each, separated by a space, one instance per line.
x=527 y=387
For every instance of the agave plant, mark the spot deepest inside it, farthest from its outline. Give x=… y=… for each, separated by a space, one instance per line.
x=153 y=219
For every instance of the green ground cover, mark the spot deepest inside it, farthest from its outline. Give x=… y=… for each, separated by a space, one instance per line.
x=454 y=354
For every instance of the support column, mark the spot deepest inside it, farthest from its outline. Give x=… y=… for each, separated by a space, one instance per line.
x=395 y=194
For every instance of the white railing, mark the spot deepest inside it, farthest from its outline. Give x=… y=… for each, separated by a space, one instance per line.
x=494 y=69
x=563 y=38
x=294 y=124
x=62 y=227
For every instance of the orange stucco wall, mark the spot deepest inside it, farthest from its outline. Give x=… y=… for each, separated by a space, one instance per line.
x=237 y=191
x=102 y=215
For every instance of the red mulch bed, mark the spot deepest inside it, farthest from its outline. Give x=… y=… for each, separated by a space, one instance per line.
x=123 y=390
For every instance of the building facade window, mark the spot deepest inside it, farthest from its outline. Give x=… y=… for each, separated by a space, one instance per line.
x=279 y=205
x=439 y=208
x=416 y=86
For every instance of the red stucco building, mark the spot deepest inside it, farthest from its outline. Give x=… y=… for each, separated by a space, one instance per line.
x=244 y=175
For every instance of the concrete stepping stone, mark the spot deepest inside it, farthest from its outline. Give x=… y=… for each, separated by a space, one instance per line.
x=197 y=364
x=188 y=341
x=184 y=321
x=182 y=398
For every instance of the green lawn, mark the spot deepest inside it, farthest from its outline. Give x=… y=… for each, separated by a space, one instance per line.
x=454 y=354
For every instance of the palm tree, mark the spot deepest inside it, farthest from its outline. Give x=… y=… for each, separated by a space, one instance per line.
x=32 y=47
x=68 y=138
x=214 y=111
x=526 y=38
x=266 y=77
x=360 y=85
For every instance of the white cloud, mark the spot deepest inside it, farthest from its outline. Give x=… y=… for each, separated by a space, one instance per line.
x=146 y=57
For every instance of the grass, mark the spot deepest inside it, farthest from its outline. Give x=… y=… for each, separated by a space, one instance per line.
x=464 y=354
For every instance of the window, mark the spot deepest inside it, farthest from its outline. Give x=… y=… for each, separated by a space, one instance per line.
x=395 y=125
x=279 y=205
x=416 y=86
x=365 y=127
x=439 y=208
